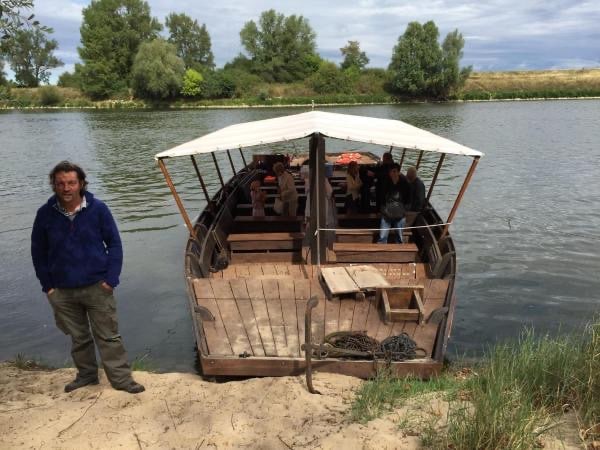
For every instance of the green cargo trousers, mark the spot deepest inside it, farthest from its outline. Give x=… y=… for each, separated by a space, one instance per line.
x=76 y=310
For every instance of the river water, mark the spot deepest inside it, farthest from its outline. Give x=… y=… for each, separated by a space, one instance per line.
x=527 y=232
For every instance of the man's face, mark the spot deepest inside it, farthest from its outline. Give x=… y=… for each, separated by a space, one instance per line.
x=67 y=187
x=394 y=175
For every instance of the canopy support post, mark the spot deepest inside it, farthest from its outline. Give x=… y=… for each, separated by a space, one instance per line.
x=218 y=170
x=243 y=157
x=182 y=210
x=402 y=158
x=201 y=179
x=317 y=197
x=231 y=162
x=460 y=196
x=419 y=160
x=435 y=175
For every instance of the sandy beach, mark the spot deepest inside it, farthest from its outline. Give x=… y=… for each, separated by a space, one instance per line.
x=182 y=411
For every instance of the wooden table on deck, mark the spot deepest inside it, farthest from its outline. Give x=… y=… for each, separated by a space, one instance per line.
x=344 y=280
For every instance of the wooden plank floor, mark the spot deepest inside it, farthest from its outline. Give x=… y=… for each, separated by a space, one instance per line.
x=259 y=309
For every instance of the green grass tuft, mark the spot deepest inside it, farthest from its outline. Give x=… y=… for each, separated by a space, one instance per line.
x=143 y=364
x=22 y=362
x=384 y=393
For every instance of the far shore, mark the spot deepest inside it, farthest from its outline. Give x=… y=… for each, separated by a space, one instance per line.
x=125 y=105
x=533 y=85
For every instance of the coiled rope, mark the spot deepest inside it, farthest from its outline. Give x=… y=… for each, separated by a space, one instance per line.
x=358 y=345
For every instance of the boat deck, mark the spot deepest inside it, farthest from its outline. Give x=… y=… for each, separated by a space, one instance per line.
x=259 y=309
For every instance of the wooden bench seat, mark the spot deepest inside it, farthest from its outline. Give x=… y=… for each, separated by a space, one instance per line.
x=265 y=241
x=245 y=209
x=300 y=188
x=268 y=224
x=365 y=252
x=366 y=237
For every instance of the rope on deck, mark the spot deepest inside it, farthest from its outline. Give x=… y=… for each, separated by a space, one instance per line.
x=358 y=345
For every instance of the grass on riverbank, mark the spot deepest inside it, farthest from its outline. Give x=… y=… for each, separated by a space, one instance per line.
x=532 y=84
x=518 y=392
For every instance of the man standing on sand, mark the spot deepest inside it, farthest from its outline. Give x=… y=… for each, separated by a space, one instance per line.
x=77 y=255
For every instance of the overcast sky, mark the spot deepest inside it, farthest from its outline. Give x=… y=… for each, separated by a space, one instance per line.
x=499 y=34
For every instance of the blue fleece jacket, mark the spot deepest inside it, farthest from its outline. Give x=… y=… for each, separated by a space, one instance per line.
x=81 y=252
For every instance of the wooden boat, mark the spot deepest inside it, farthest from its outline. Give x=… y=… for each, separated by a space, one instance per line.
x=250 y=279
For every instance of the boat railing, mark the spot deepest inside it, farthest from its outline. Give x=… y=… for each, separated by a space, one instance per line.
x=440 y=261
x=216 y=230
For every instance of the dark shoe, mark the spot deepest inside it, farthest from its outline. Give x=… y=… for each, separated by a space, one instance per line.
x=79 y=383
x=132 y=388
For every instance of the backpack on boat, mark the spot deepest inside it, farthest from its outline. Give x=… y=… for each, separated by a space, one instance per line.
x=393 y=208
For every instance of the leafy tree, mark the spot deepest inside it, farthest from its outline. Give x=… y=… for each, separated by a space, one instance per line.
x=3 y=79
x=99 y=80
x=157 y=70
x=31 y=56
x=329 y=79
x=245 y=83
x=111 y=34
x=416 y=61
x=421 y=67
x=240 y=62
x=192 y=83
x=69 y=80
x=281 y=48
x=353 y=57
x=219 y=84
x=191 y=40
x=11 y=18
x=371 y=81
x=453 y=76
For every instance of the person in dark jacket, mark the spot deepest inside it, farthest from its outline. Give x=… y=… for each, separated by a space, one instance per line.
x=392 y=208
x=77 y=256
x=417 y=191
x=382 y=178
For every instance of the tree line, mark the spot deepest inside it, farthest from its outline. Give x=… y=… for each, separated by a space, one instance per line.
x=122 y=51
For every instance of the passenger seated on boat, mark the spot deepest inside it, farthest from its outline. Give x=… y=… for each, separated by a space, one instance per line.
x=417 y=191
x=305 y=175
x=366 y=178
x=330 y=207
x=353 y=186
x=392 y=208
x=381 y=175
x=288 y=195
x=258 y=197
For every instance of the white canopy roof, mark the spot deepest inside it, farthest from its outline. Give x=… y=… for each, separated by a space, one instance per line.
x=386 y=132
